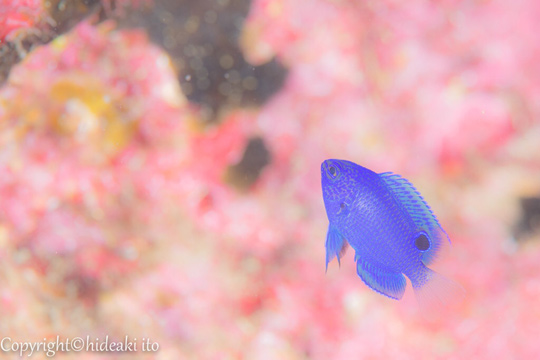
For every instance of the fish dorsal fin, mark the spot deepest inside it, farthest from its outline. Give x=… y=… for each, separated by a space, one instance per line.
x=420 y=212
x=380 y=279
x=336 y=245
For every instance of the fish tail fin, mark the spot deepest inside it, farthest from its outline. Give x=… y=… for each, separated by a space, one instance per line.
x=435 y=293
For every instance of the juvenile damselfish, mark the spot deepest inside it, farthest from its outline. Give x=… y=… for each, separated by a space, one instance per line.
x=391 y=228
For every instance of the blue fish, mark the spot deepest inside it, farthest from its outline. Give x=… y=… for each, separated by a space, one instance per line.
x=391 y=228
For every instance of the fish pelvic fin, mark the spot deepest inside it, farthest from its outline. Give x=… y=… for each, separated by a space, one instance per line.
x=336 y=245
x=436 y=293
x=421 y=214
x=384 y=281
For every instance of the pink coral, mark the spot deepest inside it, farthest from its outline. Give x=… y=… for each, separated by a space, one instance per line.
x=85 y=137
x=18 y=15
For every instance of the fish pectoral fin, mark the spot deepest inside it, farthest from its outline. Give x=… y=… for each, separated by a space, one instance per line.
x=336 y=245
x=380 y=279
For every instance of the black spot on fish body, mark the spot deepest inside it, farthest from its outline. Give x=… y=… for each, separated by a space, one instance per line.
x=422 y=243
x=342 y=206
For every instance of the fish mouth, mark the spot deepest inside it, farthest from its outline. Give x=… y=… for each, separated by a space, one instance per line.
x=324 y=166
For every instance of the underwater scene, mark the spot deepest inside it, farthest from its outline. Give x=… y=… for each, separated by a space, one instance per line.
x=270 y=179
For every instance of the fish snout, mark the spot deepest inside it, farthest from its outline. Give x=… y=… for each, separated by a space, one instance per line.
x=324 y=166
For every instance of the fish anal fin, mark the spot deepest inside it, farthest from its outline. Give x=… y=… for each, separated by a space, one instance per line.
x=384 y=281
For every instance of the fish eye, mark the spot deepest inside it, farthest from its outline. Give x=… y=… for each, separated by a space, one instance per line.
x=332 y=170
x=422 y=243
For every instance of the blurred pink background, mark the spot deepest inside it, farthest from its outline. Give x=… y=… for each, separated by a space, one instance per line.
x=125 y=209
